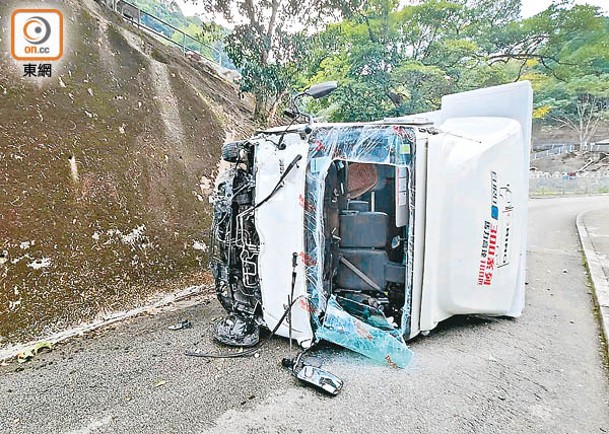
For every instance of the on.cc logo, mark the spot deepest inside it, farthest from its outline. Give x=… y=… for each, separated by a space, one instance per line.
x=37 y=30
x=36 y=34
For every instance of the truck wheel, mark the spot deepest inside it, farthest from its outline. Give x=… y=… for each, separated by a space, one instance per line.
x=230 y=152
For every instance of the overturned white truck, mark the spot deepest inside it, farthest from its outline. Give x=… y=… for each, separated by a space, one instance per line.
x=369 y=234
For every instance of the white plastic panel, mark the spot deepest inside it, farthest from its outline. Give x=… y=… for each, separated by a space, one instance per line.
x=418 y=232
x=402 y=193
x=279 y=223
x=476 y=208
x=513 y=100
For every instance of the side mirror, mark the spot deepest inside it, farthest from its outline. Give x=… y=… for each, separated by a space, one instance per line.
x=310 y=373
x=321 y=89
x=292 y=114
x=316 y=91
x=320 y=379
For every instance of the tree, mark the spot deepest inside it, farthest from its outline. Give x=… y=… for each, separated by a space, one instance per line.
x=392 y=60
x=267 y=45
x=580 y=105
x=261 y=46
x=572 y=84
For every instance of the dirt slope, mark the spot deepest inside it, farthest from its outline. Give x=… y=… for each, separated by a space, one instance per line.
x=558 y=135
x=105 y=171
x=596 y=162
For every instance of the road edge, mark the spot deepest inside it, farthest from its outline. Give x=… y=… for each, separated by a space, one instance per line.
x=600 y=284
x=167 y=300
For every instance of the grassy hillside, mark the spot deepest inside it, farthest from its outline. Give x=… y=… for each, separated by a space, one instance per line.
x=105 y=171
x=208 y=36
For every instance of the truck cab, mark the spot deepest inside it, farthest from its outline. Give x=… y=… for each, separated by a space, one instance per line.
x=354 y=233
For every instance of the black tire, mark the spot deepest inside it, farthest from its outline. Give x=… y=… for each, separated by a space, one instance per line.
x=230 y=152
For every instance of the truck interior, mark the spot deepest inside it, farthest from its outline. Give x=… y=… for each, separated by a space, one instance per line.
x=365 y=249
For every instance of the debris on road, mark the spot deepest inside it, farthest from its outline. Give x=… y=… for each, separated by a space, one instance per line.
x=235 y=331
x=309 y=372
x=160 y=383
x=184 y=324
x=29 y=353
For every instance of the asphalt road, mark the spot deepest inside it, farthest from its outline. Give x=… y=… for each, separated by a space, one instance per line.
x=543 y=372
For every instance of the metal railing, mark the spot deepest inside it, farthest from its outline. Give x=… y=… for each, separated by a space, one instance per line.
x=545 y=183
x=538 y=147
x=591 y=147
x=563 y=149
x=553 y=151
x=164 y=30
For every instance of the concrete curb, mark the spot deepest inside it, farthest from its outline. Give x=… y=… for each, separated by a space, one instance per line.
x=159 y=305
x=600 y=281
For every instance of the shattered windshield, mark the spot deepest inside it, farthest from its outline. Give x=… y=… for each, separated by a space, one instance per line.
x=331 y=149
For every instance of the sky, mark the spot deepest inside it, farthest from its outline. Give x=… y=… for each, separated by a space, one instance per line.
x=529 y=7
x=532 y=7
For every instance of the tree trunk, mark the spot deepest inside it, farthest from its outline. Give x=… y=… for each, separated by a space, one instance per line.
x=276 y=104
x=261 y=115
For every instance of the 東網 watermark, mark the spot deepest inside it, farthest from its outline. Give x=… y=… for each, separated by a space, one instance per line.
x=37 y=40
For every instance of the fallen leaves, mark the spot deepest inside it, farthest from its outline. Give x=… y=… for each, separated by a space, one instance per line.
x=29 y=353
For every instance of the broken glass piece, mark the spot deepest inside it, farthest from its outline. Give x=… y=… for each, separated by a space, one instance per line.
x=341 y=328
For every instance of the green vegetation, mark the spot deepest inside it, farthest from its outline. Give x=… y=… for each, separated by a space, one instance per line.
x=392 y=59
x=207 y=36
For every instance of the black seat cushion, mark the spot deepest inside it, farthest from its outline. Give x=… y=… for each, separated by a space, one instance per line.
x=358 y=205
x=363 y=229
x=370 y=261
x=395 y=273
